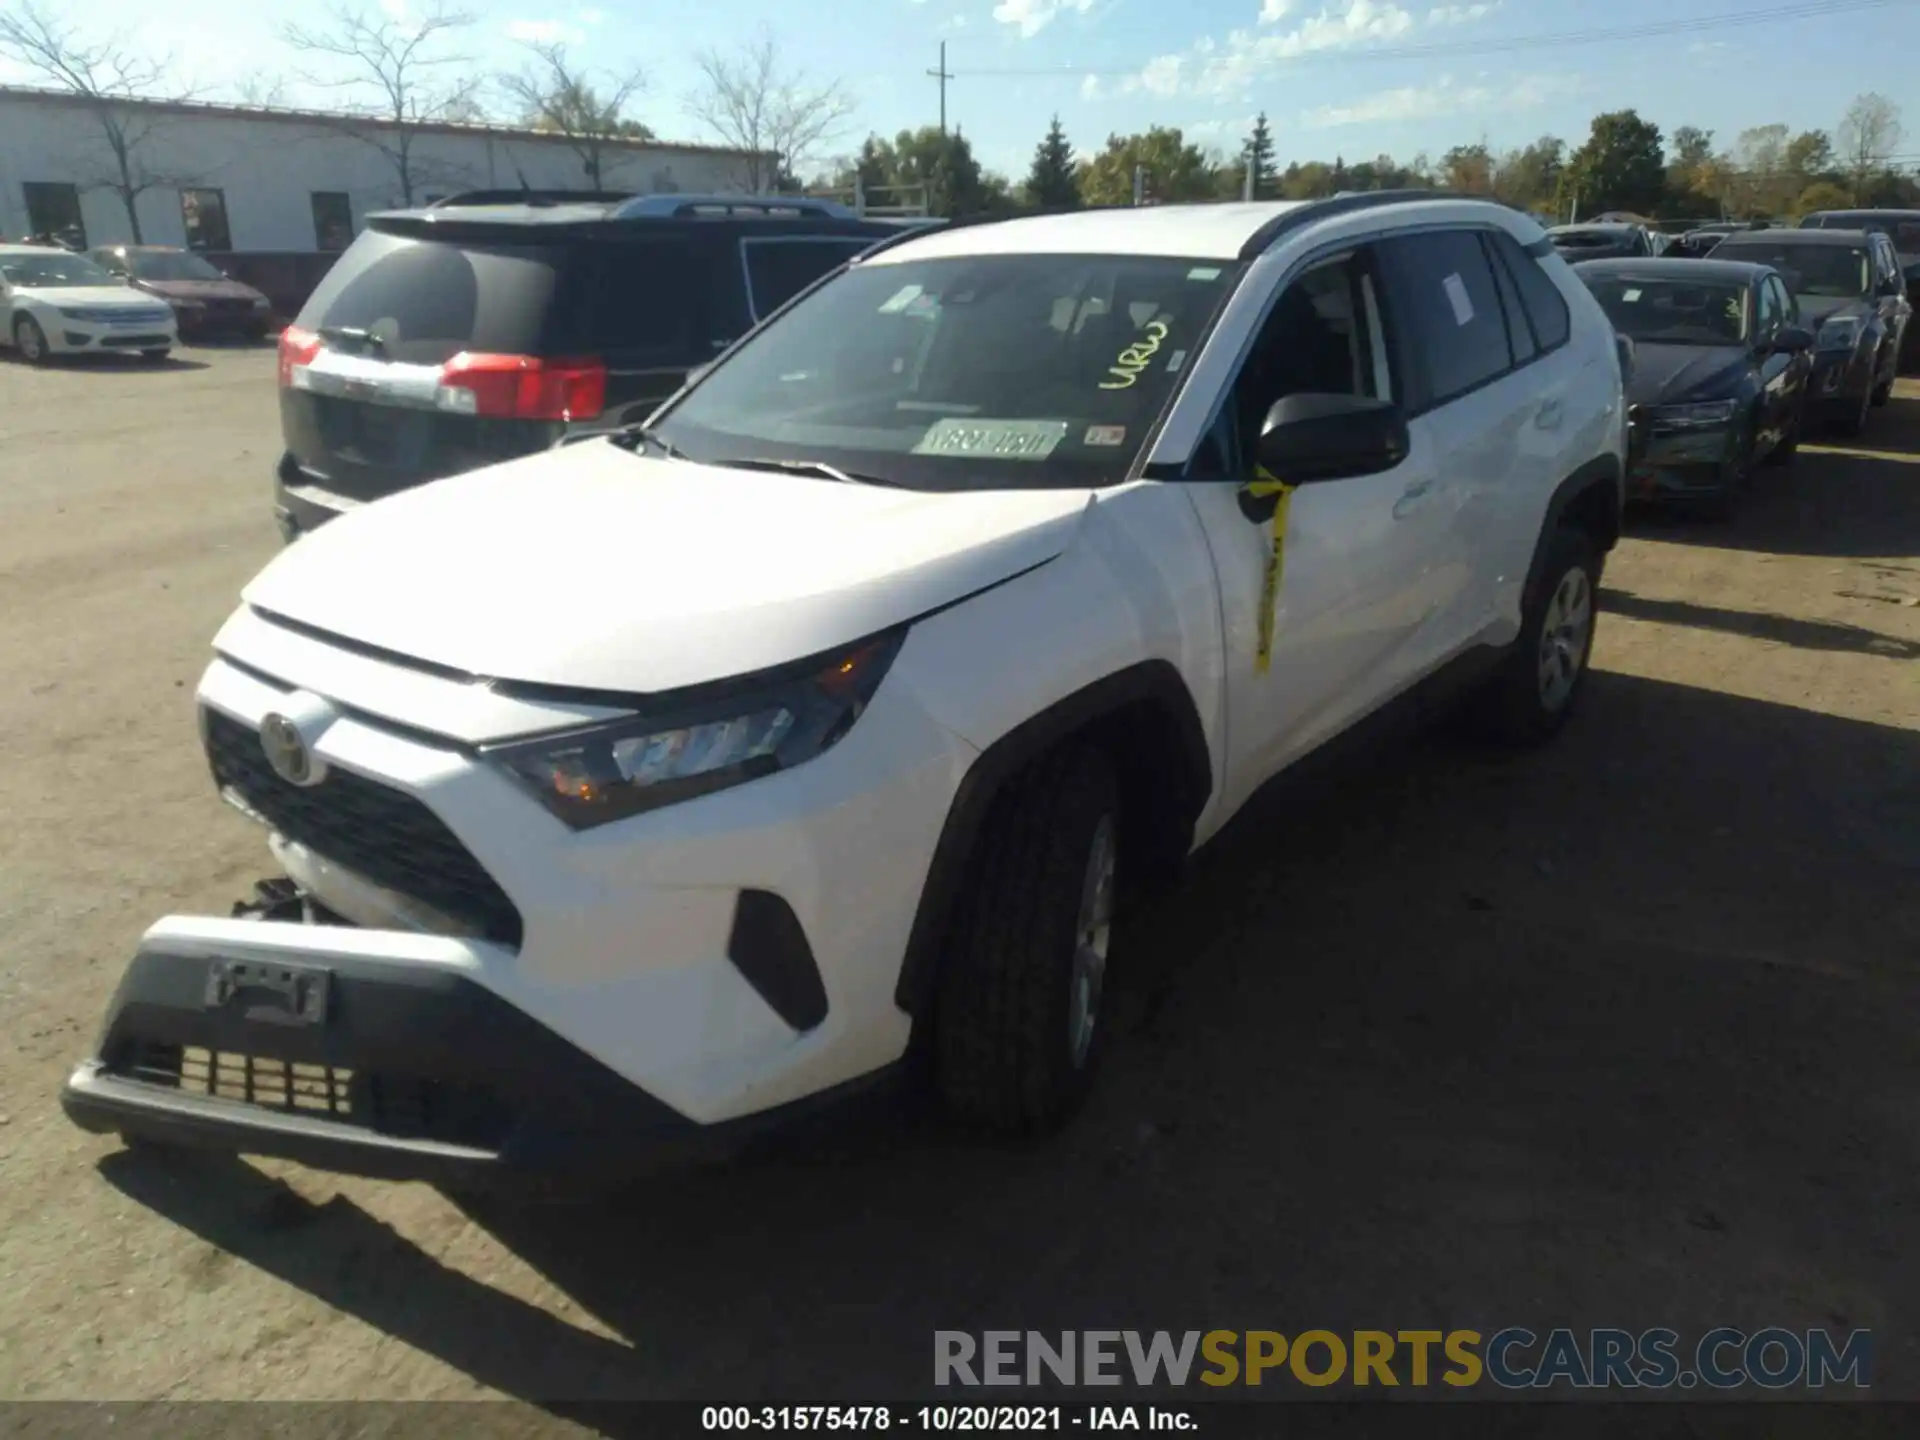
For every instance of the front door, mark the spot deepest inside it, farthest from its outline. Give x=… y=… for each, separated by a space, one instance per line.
x=1358 y=551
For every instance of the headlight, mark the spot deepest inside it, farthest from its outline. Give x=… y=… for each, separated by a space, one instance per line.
x=700 y=741
x=1840 y=334
x=1694 y=417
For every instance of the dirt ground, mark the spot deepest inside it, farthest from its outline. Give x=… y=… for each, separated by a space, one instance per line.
x=1623 y=1033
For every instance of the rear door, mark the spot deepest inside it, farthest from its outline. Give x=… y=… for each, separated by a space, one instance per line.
x=363 y=408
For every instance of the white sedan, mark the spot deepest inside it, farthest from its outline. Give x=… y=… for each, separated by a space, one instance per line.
x=53 y=302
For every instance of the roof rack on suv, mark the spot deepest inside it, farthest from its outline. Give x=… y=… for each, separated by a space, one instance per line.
x=531 y=197
x=747 y=205
x=1347 y=201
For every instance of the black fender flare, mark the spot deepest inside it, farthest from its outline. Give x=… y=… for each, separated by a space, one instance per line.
x=1188 y=774
x=1600 y=473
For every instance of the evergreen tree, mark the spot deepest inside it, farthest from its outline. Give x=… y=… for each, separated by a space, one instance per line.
x=1051 y=183
x=1256 y=155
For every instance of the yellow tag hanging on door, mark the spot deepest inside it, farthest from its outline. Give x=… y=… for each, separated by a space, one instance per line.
x=1263 y=485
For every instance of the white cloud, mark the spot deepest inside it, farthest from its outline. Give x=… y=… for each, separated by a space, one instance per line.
x=1460 y=14
x=1706 y=47
x=1030 y=17
x=1236 y=130
x=1274 y=11
x=592 y=17
x=1444 y=97
x=1228 y=68
x=545 y=32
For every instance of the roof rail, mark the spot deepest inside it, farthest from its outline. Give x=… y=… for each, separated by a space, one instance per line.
x=681 y=205
x=1348 y=201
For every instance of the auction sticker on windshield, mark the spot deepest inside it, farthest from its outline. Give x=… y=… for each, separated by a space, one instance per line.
x=997 y=439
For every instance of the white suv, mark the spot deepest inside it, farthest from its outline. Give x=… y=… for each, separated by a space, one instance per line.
x=633 y=794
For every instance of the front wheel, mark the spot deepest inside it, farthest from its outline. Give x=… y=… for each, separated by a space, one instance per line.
x=1528 y=699
x=154 y=357
x=1789 y=446
x=1017 y=1017
x=1853 y=421
x=31 y=341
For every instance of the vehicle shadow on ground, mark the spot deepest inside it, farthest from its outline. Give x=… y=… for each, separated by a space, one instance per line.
x=115 y=364
x=1786 y=629
x=1621 y=1032
x=1841 y=497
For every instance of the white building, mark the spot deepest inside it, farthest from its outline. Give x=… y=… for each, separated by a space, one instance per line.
x=248 y=179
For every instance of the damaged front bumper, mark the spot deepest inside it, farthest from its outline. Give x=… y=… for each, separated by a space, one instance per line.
x=366 y=1052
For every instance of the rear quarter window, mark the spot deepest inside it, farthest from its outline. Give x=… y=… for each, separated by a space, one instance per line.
x=1546 y=307
x=427 y=300
x=779 y=268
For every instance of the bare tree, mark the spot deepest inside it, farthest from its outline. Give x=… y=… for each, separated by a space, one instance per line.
x=750 y=101
x=110 y=79
x=556 y=97
x=263 y=91
x=399 y=60
x=1869 y=135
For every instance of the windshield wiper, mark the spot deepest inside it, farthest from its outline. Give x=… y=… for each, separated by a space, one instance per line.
x=353 y=335
x=632 y=437
x=806 y=467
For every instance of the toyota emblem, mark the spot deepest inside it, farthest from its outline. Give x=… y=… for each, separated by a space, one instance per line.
x=286 y=751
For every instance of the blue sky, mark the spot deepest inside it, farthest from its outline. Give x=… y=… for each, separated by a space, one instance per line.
x=1315 y=66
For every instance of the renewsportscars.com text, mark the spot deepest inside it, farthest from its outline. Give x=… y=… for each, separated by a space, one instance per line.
x=1514 y=1358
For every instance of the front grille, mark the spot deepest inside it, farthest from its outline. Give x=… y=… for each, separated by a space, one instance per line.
x=136 y=342
x=399 y=1107
x=388 y=837
x=130 y=317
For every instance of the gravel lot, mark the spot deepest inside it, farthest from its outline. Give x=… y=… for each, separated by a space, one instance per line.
x=1624 y=1033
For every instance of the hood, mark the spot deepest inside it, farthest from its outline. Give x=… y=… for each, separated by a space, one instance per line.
x=1816 y=310
x=104 y=297
x=588 y=566
x=1672 y=374
x=198 y=289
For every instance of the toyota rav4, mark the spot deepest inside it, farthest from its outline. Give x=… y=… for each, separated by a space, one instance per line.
x=638 y=794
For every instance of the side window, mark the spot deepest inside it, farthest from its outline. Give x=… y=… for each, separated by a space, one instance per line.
x=1546 y=307
x=1519 y=333
x=778 y=270
x=1444 y=295
x=642 y=299
x=1323 y=335
x=1771 y=312
x=1789 y=307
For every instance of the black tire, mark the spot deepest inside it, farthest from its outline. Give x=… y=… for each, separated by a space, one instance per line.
x=1004 y=1055
x=1513 y=707
x=154 y=357
x=1789 y=446
x=1883 y=392
x=1854 y=420
x=31 y=341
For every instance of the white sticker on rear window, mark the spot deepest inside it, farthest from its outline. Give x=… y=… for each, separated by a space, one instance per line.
x=1631 y=296
x=900 y=299
x=993 y=439
x=1456 y=289
x=1204 y=272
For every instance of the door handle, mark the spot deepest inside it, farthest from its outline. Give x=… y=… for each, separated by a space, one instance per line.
x=1410 y=499
x=1547 y=417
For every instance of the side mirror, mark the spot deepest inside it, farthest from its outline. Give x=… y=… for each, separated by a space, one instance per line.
x=1313 y=437
x=1792 y=340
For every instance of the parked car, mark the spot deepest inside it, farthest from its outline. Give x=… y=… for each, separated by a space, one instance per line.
x=1902 y=229
x=680 y=778
x=54 y=302
x=206 y=300
x=1695 y=244
x=1850 y=291
x=1719 y=377
x=453 y=337
x=1600 y=242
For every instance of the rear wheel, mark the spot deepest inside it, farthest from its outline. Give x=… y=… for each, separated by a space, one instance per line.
x=1853 y=421
x=30 y=340
x=1017 y=1019
x=1530 y=696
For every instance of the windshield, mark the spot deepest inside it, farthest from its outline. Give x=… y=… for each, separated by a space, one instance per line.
x=52 y=270
x=1589 y=239
x=170 y=265
x=978 y=372
x=1673 y=312
x=1827 y=271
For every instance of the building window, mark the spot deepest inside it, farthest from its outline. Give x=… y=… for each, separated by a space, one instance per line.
x=54 y=210
x=204 y=213
x=332 y=219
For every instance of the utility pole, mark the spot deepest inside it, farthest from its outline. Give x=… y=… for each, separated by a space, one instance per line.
x=1139 y=184
x=943 y=75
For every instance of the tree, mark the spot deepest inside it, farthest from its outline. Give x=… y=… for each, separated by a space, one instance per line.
x=1822 y=195
x=1256 y=158
x=1051 y=184
x=398 y=58
x=748 y=100
x=108 y=78
x=1810 y=155
x=1468 y=169
x=1621 y=167
x=555 y=96
x=1869 y=134
x=1764 y=186
x=942 y=164
x=1175 y=170
x=1530 y=176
